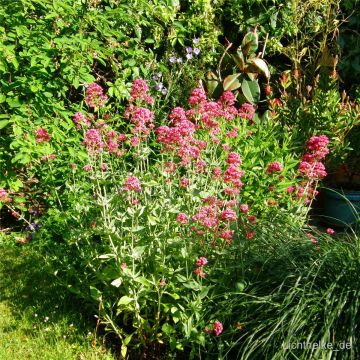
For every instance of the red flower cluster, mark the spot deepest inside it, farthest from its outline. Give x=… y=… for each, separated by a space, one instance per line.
x=101 y=139
x=42 y=135
x=132 y=183
x=311 y=165
x=139 y=92
x=247 y=111
x=80 y=120
x=208 y=216
x=311 y=168
x=179 y=138
x=234 y=159
x=228 y=215
x=208 y=112
x=93 y=140
x=274 y=167
x=141 y=117
x=217 y=328
x=200 y=263
x=182 y=218
x=94 y=96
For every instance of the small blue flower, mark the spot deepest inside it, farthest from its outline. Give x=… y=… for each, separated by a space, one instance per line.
x=196 y=40
x=155 y=78
x=179 y=60
x=164 y=91
x=189 y=49
x=196 y=51
x=172 y=59
x=189 y=56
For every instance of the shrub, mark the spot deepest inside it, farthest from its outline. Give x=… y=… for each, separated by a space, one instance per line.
x=146 y=222
x=50 y=49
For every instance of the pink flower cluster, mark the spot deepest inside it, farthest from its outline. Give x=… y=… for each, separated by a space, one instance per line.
x=209 y=111
x=247 y=111
x=208 y=216
x=93 y=140
x=141 y=117
x=311 y=165
x=232 y=177
x=4 y=196
x=311 y=168
x=184 y=182
x=233 y=159
x=132 y=183
x=80 y=120
x=139 y=92
x=197 y=97
x=179 y=138
x=228 y=214
x=200 y=263
x=42 y=135
x=233 y=174
x=274 y=167
x=101 y=139
x=182 y=218
x=216 y=215
x=94 y=96
x=217 y=328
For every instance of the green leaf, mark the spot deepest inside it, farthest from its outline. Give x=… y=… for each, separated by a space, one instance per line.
x=251 y=90
x=211 y=82
x=13 y=102
x=204 y=292
x=3 y=123
x=249 y=44
x=142 y=280
x=21 y=158
x=125 y=300
x=167 y=329
x=173 y=295
x=16 y=185
x=152 y=220
x=259 y=66
x=232 y=82
x=238 y=57
x=127 y=339
x=138 y=251
x=95 y=293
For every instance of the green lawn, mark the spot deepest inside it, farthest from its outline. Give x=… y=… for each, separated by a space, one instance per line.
x=37 y=319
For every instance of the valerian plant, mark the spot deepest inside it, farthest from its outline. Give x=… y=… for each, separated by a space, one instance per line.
x=150 y=223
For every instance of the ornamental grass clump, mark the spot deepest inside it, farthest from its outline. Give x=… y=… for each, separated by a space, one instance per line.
x=151 y=218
